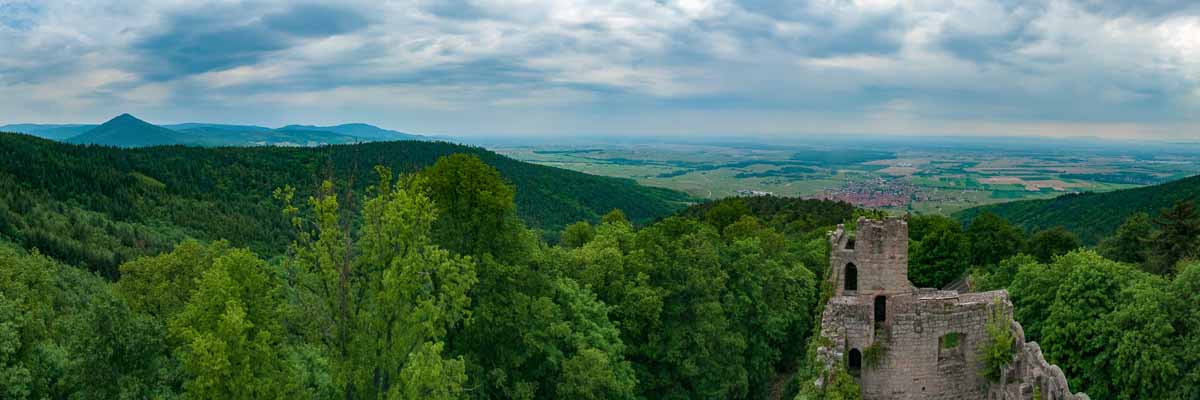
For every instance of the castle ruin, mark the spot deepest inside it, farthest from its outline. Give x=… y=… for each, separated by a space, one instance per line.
x=904 y=342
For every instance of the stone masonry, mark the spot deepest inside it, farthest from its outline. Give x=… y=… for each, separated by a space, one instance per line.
x=901 y=342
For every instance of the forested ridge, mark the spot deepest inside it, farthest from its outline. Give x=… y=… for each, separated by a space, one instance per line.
x=427 y=285
x=428 y=282
x=1092 y=216
x=140 y=200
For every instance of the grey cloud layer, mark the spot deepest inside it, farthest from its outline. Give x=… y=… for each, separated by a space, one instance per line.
x=212 y=38
x=547 y=66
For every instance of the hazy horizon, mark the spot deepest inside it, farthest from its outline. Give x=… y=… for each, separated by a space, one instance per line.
x=580 y=138
x=746 y=69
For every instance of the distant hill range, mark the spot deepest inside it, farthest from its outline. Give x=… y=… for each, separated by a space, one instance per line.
x=49 y=131
x=356 y=130
x=125 y=130
x=1092 y=216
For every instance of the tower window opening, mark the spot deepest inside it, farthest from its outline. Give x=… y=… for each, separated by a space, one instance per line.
x=880 y=309
x=851 y=277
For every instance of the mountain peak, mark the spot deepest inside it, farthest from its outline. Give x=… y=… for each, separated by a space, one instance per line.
x=125 y=117
x=125 y=130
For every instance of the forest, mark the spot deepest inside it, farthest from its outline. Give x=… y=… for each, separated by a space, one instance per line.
x=141 y=201
x=1092 y=216
x=426 y=280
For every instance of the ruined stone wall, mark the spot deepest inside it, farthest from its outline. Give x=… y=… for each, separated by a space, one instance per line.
x=931 y=338
x=916 y=363
x=919 y=362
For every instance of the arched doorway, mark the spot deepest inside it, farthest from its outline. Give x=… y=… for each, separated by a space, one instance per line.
x=851 y=277
x=855 y=361
x=880 y=309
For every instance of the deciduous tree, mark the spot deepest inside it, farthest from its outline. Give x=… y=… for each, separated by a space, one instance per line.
x=1129 y=243
x=577 y=234
x=381 y=302
x=940 y=255
x=232 y=339
x=1046 y=244
x=993 y=239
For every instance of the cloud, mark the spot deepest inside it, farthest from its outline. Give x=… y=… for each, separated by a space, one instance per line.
x=209 y=38
x=620 y=66
x=18 y=16
x=993 y=31
x=1140 y=8
x=314 y=20
x=827 y=29
x=454 y=9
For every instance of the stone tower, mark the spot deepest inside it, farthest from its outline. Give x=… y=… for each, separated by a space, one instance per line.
x=901 y=342
x=871 y=261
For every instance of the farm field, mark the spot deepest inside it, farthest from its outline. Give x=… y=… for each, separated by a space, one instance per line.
x=899 y=177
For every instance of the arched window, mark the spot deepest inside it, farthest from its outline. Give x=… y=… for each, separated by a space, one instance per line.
x=880 y=309
x=851 y=277
x=855 y=360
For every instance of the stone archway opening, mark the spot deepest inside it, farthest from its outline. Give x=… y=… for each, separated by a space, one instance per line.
x=851 y=277
x=854 y=362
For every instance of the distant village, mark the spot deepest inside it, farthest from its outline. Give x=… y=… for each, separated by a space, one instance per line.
x=888 y=193
x=752 y=193
x=873 y=193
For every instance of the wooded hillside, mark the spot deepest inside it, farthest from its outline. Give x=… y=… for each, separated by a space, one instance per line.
x=147 y=197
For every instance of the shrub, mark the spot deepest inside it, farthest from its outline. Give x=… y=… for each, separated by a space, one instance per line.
x=997 y=351
x=873 y=355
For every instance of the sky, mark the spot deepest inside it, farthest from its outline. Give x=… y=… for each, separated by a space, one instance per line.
x=1115 y=69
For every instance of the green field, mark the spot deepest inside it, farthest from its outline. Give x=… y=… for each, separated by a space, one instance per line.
x=910 y=179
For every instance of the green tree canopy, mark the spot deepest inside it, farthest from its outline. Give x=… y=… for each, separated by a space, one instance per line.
x=64 y=334
x=939 y=254
x=161 y=285
x=993 y=239
x=726 y=212
x=701 y=314
x=1177 y=238
x=379 y=303
x=1046 y=244
x=577 y=234
x=614 y=216
x=477 y=213
x=233 y=343
x=1183 y=295
x=1129 y=244
x=1107 y=324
